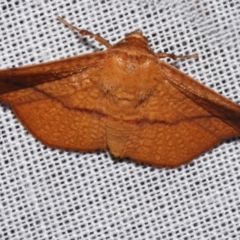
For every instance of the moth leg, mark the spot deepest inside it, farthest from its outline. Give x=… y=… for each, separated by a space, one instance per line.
x=86 y=32
x=174 y=57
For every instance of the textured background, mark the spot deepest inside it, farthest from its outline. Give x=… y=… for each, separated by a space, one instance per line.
x=52 y=194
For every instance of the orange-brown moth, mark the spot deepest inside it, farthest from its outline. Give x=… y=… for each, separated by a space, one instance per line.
x=123 y=99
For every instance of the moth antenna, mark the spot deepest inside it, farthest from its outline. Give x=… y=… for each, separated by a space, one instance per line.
x=86 y=32
x=174 y=57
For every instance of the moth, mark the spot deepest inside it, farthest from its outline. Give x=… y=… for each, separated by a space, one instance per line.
x=123 y=99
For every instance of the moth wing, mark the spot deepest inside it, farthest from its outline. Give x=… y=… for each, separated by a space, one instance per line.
x=24 y=77
x=180 y=120
x=59 y=107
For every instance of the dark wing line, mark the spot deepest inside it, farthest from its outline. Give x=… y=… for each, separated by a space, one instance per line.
x=101 y=114
x=216 y=104
x=24 y=77
x=193 y=118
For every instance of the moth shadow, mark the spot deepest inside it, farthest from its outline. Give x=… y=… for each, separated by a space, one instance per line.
x=88 y=42
x=127 y=160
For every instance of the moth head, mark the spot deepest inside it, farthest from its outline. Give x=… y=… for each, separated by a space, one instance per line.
x=137 y=34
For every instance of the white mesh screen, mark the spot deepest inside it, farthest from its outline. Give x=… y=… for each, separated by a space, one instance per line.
x=53 y=194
